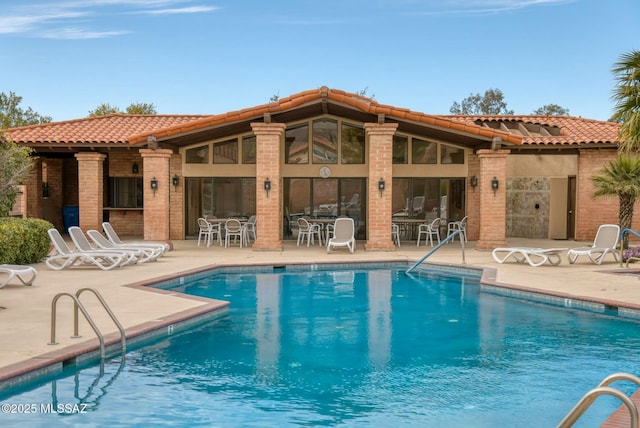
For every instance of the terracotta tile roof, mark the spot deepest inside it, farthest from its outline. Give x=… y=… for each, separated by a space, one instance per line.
x=570 y=130
x=110 y=129
x=356 y=101
x=124 y=129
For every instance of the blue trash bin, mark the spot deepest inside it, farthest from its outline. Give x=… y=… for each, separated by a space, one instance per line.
x=71 y=216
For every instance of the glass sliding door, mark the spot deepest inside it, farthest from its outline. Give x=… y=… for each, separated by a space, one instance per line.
x=222 y=197
x=325 y=198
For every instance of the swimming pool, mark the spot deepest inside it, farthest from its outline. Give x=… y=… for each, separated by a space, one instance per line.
x=361 y=347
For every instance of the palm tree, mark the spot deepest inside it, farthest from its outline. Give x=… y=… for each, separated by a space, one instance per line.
x=621 y=177
x=627 y=100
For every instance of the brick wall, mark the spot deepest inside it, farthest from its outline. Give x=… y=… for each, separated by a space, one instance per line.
x=592 y=212
x=126 y=223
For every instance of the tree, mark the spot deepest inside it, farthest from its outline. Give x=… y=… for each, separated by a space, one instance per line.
x=133 y=108
x=141 y=108
x=626 y=96
x=11 y=115
x=15 y=165
x=552 y=110
x=492 y=102
x=621 y=177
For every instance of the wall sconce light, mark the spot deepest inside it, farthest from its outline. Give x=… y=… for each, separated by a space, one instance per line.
x=474 y=181
x=494 y=184
x=175 y=180
x=381 y=184
x=134 y=168
x=154 y=184
x=267 y=186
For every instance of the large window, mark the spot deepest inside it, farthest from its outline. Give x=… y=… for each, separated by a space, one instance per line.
x=296 y=144
x=352 y=144
x=400 y=149
x=226 y=151
x=423 y=151
x=326 y=199
x=249 y=149
x=325 y=141
x=197 y=155
x=428 y=198
x=450 y=154
x=222 y=197
x=125 y=192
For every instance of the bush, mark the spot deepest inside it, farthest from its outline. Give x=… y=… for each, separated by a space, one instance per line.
x=23 y=241
x=631 y=252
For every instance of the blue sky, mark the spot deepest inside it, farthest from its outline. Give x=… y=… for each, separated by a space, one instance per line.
x=66 y=57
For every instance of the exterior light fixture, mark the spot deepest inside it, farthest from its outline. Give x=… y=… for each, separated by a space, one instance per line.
x=381 y=184
x=494 y=184
x=175 y=180
x=267 y=186
x=474 y=182
x=134 y=168
x=154 y=184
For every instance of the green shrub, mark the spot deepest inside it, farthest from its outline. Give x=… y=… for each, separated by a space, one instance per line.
x=23 y=241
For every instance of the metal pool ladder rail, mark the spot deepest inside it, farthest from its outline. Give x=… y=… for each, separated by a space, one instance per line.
x=77 y=305
x=437 y=247
x=604 y=389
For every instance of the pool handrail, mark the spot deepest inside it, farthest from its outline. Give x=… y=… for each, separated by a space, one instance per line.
x=437 y=247
x=603 y=388
x=624 y=232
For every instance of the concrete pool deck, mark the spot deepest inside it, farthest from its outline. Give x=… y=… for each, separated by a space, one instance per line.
x=26 y=317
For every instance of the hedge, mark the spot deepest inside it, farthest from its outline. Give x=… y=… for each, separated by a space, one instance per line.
x=23 y=241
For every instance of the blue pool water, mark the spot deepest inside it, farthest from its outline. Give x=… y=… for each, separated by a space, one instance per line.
x=350 y=348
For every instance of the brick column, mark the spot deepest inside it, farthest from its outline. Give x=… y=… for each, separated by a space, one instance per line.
x=268 y=204
x=33 y=191
x=379 y=202
x=176 y=204
x=493 y=213
x=90 y=189
x=156 y=202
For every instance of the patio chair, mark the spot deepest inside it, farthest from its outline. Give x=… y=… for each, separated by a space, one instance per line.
x=113 y=237
x=343 y=234
x=83 y=245
x=606 y=241
x=430 y=230
x=233 y=229
x=454 y=226
x=63 y=257
x=26 y=274
x=144 y=254
x=308 y=230
x=533 y=256
x=250 y=230
x=395 y=234
x=207 y=230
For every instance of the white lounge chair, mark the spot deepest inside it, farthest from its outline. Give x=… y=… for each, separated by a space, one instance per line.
x=343 y=234
x=533 y=256
x=113 y=237
x=84 y=246
x=63 y=257
x=26 y=274
x=145 y=254
x=606 y=241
